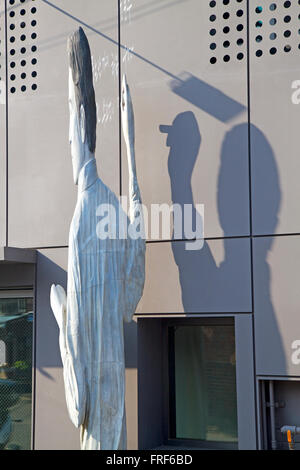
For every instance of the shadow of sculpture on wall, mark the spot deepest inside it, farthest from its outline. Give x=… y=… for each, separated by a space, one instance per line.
x=205 y=286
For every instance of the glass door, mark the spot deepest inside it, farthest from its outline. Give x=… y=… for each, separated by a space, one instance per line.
x=16 y=345
x=203 y=383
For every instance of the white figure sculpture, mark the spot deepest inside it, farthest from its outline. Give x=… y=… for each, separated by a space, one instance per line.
x=105 y=276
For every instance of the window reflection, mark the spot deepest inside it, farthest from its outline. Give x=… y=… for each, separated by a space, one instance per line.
x=205 y=383
x=16 y=333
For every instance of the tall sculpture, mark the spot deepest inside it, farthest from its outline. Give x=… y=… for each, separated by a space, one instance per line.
x=105 y=275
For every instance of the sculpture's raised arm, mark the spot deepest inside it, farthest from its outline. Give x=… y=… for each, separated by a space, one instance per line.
x=129 y=137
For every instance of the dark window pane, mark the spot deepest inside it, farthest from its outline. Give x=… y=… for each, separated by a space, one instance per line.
x=205 y=383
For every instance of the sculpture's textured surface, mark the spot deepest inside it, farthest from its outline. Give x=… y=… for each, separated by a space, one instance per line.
x=105 y=283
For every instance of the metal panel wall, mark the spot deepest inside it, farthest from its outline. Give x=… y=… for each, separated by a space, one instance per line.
x=3 y=124
x=41 y=192
x=274 y=138
x=215 y=279
x=168 y=53
x=189 y=86
x=50 y=405
x=274 y=67
x=186 y=64
x=276 y=304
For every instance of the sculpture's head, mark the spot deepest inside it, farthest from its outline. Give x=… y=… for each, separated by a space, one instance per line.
x=82 y=104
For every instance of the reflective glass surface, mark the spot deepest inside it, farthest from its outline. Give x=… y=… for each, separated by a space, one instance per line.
x=205 y=383
x=16 y=339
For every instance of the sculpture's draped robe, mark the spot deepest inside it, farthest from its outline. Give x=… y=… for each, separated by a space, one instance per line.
x=105 y=283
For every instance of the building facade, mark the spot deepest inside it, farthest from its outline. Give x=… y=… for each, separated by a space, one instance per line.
x=212 y=354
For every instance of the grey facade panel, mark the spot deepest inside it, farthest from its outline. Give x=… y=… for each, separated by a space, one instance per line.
x=3 y=126
x=245 y=382
x=274 y=134
x=186 y=65
x=41 y=192
x=215 y=279
x=51 y=415
x=190 y=115
x=276 y=303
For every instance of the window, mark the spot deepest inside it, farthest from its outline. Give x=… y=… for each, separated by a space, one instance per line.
x=16 y=340
x=202 y=385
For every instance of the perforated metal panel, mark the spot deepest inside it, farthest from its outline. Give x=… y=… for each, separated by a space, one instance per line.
x=274 y=58
x=22 y=47
x=277 y=27
x=227 y=30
